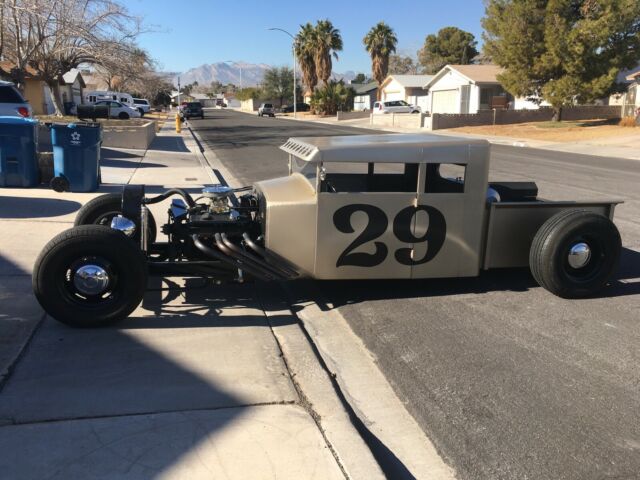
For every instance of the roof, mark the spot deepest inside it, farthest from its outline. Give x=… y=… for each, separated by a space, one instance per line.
x=200 y=96
x=70 y=77
x=408 y=81
x=29 y=71
x=362 y=88
x=473 y=73
x=387 y=148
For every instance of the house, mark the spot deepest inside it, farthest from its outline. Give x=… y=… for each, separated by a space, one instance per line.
x=71 y=91
x=466 y=89
x=35 y=91
x=365 y=97
x=408 y=88
x=629 y=100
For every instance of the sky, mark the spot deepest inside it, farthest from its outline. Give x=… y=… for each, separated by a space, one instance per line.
x=190 y=33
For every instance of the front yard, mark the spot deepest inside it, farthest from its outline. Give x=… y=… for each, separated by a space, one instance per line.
x=569 y=131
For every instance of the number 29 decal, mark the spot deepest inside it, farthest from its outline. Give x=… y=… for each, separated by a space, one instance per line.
x=377 y=225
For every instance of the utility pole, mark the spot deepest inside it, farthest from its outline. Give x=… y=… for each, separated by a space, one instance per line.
x=295 y=100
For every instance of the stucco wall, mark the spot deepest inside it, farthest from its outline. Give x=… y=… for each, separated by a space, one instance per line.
x=351 y=115
x=135 y=137
x=405 y=120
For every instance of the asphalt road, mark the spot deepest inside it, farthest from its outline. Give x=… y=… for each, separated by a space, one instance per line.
x=509 y=381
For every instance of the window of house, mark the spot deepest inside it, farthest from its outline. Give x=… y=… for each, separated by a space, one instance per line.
x=445 y=178
x=369 y=177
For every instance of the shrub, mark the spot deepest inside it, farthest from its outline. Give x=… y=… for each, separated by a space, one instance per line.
x=627 y=122
x=332 y=97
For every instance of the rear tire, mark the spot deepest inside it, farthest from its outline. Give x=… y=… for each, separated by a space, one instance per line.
x=102 y=209
x=90 y=276
x=575 y=253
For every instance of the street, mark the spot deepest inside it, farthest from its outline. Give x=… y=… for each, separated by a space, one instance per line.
x=506 y=380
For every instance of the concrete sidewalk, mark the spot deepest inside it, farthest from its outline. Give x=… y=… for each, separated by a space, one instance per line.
x=195 y=384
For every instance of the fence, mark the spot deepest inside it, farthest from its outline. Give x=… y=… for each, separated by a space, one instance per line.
x=351 y=115
x=405 y=120
x=504 y=117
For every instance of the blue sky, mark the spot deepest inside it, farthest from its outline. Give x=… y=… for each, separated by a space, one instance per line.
x=193 y=32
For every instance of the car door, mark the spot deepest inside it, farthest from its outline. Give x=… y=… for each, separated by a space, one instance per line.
x=358 y=221
x=449 y=217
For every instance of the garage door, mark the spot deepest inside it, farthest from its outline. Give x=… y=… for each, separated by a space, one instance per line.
x=445 y=101
x=393 y=95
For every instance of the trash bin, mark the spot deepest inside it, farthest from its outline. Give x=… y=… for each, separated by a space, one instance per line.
x=18 y=161
x=76 y=156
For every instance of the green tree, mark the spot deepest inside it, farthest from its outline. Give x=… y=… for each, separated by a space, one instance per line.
x=360 y=78
x=249 y=92
x=326 y=43
x=562 y=51
x=278 y=83
x=305 y=53
x=451 y=45
x=402 y=65
x=380 y=42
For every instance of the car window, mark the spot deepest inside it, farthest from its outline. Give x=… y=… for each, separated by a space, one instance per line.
x=445 y=178
x=116 y=104
x=9 y=94
x=137 y=101
x=369 y=177
x=402 y=103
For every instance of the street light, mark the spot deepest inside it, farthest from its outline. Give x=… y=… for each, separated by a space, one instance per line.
x=293 y=48
x=239 y=67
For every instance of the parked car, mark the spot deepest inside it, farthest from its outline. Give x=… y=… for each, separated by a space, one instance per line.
x=300 y=107
x=406 y=206
x=119 y=110
x=142 y=104
x=193 y=109
x=12 y=103
x=266 y=109
x=395 y=106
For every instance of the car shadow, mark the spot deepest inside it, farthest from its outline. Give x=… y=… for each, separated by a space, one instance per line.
x=111 y=153
x=169 y=144
x=30 y=207
x=349 y=292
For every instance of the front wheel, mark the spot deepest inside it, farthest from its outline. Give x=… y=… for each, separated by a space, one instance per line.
x=90 y=276
x=102 y=209
x=575 y=253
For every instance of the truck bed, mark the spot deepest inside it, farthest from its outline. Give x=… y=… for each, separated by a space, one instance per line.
x=511 y=227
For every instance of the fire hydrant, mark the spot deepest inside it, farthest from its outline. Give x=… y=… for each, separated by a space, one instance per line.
x=178 y=123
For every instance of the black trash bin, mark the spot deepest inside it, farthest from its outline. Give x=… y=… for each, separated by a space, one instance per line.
x=18 y=161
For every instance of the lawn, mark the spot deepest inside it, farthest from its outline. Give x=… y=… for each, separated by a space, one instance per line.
x=569 y=131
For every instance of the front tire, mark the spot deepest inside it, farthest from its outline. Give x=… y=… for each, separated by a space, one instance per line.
x=102 y=209
x=575 y=253
x=90 y=276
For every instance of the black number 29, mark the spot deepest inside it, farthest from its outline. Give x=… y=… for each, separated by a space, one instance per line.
x=377 y=225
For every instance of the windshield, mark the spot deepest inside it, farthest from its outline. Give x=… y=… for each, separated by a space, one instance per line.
x=307 y=169
x=193 y=105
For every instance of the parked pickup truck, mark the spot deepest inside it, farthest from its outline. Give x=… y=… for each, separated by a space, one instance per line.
x=353 y=207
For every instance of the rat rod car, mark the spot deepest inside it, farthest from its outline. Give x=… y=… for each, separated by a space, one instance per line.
x=352 y=207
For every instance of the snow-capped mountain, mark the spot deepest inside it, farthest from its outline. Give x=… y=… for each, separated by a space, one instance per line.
x=252 y=74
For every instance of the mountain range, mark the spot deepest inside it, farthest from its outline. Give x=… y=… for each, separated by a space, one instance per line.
x=229 y=72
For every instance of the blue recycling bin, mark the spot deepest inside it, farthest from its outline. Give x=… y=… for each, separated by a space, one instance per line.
x=18 y=160
x=76 y=156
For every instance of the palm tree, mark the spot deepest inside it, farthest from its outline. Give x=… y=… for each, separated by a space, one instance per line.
x=327 y=41
x=380 y=42
x=305 y=56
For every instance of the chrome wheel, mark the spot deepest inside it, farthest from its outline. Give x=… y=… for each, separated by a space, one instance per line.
x=579 y=255
x=91 y=279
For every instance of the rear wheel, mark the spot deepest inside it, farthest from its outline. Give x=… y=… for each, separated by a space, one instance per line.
x=102 y=209
x=575 y=253
x=90 y=276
